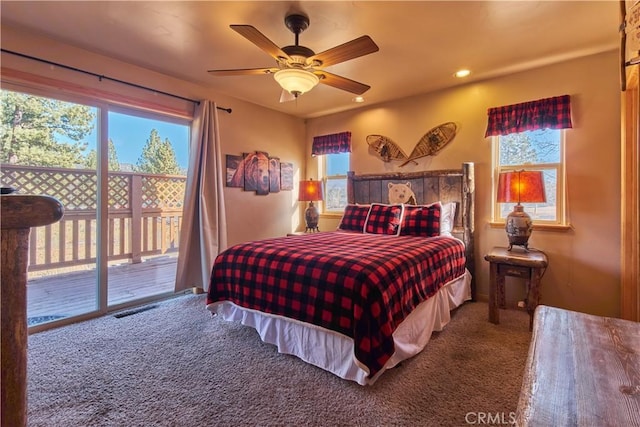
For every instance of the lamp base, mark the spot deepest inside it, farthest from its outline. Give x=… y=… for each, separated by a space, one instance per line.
x=311 y=216
x=519 y=227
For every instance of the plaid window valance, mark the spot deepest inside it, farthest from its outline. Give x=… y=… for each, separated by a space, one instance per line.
x=331 y=144
x=551 y=113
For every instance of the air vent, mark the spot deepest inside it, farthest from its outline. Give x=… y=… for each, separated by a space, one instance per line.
x=134 y=311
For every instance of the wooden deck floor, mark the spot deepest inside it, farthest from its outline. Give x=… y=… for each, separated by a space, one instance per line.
x=71 y=294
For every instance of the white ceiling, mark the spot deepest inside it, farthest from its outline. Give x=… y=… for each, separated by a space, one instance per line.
x=422 y=43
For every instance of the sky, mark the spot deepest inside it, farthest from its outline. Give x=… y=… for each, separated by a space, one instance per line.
x=130 y=134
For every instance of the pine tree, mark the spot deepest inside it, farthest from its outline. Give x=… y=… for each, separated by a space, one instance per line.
x=91 y=161
x=158 y=157
x=43 y=132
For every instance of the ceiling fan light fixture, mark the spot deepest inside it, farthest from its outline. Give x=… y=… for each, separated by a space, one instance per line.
x=296 y=81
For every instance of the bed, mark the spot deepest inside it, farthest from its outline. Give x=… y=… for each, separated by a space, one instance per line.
x=358 y=300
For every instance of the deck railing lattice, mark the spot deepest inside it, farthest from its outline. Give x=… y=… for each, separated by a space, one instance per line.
x=144 y=219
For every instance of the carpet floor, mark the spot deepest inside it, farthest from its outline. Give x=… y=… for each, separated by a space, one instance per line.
x=176 y=365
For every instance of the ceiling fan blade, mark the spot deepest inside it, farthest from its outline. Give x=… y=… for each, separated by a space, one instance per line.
x=242 y=72
x=355 y=48
x=343 y=83
x=256 y=37
x=285 y=96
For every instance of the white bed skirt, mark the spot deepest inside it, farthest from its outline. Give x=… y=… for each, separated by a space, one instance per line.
x=333 y=351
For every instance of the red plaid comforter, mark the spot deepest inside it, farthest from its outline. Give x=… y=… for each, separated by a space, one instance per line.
x=361 y=285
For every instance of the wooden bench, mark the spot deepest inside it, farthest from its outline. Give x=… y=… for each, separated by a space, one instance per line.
x=582 y=370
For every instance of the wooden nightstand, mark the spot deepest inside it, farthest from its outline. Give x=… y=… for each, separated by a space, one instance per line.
x=529 y=265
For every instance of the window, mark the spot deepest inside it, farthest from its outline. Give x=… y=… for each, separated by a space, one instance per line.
x=530 y=136
x=333 y=170
x=539 y=150
x=333 y=153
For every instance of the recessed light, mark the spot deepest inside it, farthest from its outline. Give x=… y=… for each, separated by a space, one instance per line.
x=358 y=99
x=462 y=73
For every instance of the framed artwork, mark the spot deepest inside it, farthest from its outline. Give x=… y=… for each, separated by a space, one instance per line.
x=234 y=178
x=286 y=176
x=247 y=171
x=258 y=169
x=274 y=175
x=258 y=172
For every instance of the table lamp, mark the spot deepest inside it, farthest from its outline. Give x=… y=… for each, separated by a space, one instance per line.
x=520 y=187
x=311 y=191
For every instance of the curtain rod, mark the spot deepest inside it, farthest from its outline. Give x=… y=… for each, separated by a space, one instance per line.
x=101 y=77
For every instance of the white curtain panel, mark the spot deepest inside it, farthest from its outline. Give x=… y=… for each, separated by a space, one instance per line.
x=204 y=225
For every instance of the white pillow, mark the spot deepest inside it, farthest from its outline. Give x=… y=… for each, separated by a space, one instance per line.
x=447 y=218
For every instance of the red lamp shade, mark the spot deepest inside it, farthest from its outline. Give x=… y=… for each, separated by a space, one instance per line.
x=310 y=191
x=521 y=187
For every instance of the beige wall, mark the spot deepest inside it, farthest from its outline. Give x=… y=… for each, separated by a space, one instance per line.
x=248 y=128
x=584 y=271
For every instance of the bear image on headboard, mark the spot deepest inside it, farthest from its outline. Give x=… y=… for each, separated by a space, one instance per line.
x=254 y=169
x=401 y=193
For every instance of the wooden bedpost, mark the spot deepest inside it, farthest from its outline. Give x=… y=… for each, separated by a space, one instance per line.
x=350 y=191
x=468 y=201
x=19 y=214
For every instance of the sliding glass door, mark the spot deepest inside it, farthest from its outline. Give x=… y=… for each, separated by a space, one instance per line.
x=146 y=191
x=120 y=176
x=44 y=151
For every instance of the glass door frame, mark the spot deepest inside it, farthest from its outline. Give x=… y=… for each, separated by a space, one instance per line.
x=101 y=282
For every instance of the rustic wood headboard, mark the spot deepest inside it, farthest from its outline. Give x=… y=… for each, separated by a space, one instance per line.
x=450 y=185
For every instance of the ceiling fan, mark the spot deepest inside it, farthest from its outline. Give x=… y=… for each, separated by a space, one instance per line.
x=299 y=69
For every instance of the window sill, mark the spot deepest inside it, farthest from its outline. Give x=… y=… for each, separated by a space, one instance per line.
x=542 y=227
x=331 y=215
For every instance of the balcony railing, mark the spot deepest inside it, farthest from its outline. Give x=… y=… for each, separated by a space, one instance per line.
x=144 y=214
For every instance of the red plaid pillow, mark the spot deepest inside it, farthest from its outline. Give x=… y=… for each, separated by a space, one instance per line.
x=384 y=219
x=421 y=220
x=354 y=218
